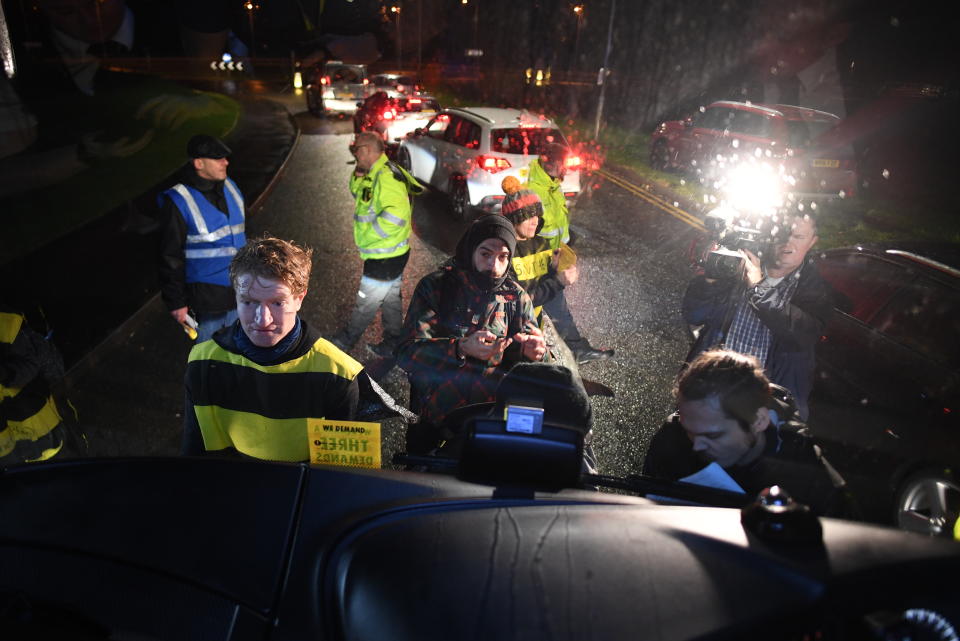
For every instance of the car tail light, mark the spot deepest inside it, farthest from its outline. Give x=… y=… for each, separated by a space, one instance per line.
x=443 y=118
x=572 y=162
x=325 y=80
x=366 y=82
x=570 y=194
x=414 y=101
x=388 y=114
x=493 y=164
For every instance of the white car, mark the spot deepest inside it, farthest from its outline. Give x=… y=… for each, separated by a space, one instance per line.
x=467 y=152
x=335 y=88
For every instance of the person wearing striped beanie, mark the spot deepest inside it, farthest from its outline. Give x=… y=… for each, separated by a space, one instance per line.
x=542 y=271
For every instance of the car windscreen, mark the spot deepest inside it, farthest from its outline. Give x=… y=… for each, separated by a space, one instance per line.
x=347 y=74
x=523 y=140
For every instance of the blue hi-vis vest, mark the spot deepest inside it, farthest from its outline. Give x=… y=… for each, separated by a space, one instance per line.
x=212 y=236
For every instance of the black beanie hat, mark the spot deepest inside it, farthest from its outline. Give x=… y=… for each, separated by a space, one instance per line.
x=553 y=387
x=519 y=204
x=484 y=227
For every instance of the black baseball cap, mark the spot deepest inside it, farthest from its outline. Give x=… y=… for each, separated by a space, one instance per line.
x=203 y=146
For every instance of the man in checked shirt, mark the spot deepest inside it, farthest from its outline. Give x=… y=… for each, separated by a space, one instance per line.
x=775 y=311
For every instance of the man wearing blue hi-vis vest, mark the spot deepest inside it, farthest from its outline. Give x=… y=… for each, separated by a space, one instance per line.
x=203 y=227
x=381 y=228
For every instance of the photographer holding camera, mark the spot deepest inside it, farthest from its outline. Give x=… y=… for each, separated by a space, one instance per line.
x=773 y=308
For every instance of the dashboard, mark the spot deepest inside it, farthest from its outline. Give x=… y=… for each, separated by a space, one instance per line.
x=197 y=548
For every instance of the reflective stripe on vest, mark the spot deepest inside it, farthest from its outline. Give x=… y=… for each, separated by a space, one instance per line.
x=233 y=408
x=210 y=253
x=384 y=250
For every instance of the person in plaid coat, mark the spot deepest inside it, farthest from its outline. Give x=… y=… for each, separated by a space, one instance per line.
x=468 y=323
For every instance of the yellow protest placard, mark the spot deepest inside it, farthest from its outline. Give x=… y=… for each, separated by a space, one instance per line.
x=351 y=443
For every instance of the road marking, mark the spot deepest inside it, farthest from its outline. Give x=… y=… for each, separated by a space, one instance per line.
x=653 y=199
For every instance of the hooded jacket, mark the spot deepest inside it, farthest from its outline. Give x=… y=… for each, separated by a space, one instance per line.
x=450 y=303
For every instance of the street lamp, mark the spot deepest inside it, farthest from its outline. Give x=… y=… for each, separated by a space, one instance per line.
x=396 y=9
x=251 y=7
x=578 y=10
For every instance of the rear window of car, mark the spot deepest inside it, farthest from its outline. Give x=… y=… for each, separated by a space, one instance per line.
x=347 y=74
x=523 y=140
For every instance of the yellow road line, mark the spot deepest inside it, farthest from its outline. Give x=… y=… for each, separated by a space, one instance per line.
x=653 y=199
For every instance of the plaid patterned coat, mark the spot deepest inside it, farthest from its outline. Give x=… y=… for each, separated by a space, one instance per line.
x=445 y=306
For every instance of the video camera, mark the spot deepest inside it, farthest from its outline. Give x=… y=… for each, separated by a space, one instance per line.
x=749 y=218
x=731 y=232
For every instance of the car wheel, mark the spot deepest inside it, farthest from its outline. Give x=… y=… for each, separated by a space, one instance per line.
x=314 y=102
x=660 y=156
x=928 y=503
x=403 y=159
x=459 y=198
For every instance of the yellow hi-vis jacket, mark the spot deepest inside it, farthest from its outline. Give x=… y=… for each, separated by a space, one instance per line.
x=556 y=216
x=27 y=412
x=381 y=219
x=263 y=411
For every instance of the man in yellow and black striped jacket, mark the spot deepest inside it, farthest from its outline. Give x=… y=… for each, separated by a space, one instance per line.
x=252 y=388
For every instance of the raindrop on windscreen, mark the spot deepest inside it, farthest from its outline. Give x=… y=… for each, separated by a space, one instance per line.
x=885 y=173
x=736 y=143
x=842 y=194
x=864 y=401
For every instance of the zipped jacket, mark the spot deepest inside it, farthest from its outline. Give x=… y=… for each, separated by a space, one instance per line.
x=381 y=218
x=556 y=216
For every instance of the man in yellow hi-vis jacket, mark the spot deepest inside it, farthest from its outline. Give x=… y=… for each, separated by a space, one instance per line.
x=381 y=229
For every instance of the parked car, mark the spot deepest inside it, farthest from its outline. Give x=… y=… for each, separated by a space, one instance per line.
x=335 y=88
x=886 y=402
x=394 y=117
x=799 y=140
x=467 y=152
x=395 y=84
x=230 y=549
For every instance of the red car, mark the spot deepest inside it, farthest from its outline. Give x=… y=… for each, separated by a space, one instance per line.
x=798 y=138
